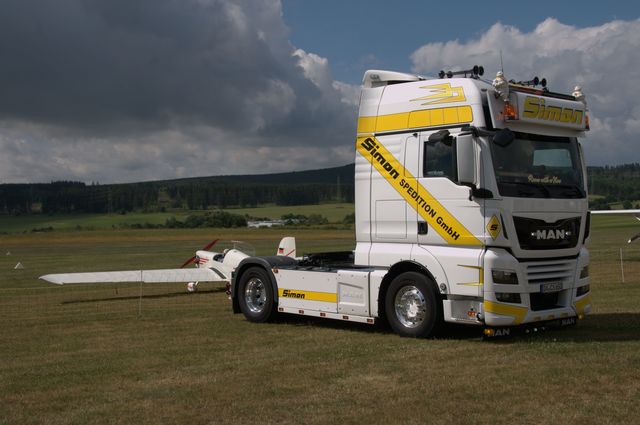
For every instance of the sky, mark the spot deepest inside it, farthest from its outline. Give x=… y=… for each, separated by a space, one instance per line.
x=120 y=91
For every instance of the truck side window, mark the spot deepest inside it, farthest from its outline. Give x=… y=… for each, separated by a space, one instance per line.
x=440 y=159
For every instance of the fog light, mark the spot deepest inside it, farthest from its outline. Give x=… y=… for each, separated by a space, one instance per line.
x=505 y=277
x=580 y=291
x=584 y=272
x=508 y=297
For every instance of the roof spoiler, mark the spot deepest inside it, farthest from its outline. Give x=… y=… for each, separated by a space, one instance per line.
x=378 y=78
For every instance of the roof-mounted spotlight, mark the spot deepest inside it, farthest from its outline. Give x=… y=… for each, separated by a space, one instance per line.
x=533 y=82
x=474 y=72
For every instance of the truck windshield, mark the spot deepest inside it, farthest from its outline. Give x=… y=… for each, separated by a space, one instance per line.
x=534 y=166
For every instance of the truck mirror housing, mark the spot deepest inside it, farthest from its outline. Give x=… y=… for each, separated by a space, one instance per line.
x=465 y=158
x=439 y=136
x=504 y=137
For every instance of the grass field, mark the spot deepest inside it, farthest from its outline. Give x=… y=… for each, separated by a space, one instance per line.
x=335 y=213
x=87 y=354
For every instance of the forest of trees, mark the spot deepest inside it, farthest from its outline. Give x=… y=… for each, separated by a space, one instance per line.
x=615 y=184
x=300 y=188
x=611 y=184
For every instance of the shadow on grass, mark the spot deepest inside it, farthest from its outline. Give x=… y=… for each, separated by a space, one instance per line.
x=447 y=331
x=606 y=327
x=298 y=320
x=147 y=297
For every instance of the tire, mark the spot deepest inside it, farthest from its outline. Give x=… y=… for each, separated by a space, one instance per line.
x=413 y=306
x=255 y=295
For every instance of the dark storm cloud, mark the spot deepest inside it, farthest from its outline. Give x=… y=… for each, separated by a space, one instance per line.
x=121 y=68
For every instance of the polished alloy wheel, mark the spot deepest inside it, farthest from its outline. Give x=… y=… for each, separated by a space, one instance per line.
x=410 y=306
x=255 y=295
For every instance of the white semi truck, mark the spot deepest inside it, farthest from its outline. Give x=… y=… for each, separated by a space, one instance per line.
x=471 y=208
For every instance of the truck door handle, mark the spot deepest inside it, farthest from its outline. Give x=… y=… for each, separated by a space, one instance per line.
x=423 y=229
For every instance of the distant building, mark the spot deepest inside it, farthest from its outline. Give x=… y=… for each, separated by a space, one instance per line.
x=265 y=223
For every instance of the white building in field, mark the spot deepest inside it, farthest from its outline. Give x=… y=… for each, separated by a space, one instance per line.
x=265 y=223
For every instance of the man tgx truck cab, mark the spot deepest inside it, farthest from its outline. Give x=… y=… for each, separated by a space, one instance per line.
x=471 y=208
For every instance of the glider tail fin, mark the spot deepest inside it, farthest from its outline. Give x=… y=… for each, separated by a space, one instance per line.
x=287 y=247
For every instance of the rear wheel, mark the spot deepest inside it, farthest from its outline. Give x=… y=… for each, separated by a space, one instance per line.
x=412 y=305
x=255 y=295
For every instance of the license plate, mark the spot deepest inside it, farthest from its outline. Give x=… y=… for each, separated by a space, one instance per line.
x=546 y=288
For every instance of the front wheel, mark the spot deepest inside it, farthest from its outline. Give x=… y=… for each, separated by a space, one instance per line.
x=412 y=305
x=255 y=295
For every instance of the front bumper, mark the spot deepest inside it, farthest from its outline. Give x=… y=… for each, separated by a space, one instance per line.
x=528 y=328
x=535 y=305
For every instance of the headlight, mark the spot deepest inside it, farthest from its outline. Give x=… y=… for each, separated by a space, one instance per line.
x=584 y=272
x=505 y=277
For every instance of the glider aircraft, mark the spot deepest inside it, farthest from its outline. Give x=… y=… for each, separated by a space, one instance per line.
x=209 y=267
x=636 y=213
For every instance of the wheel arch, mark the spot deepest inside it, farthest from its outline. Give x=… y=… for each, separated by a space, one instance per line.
x=395 y=271
x=266 y=263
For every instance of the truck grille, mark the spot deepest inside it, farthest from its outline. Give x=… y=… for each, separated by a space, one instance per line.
x=542 y=272
x=538 y=234
x=550 y=271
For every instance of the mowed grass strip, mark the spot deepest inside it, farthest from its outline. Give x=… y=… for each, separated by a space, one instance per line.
x=101 y=354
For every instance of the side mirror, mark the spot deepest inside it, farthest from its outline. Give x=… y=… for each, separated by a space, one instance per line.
x=504 y=137
x=465 y=158
x=439 y=136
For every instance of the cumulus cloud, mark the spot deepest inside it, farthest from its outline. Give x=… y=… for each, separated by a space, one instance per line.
x=116 y=91
x=604 y=60
x=318 y=71
x=122 y=91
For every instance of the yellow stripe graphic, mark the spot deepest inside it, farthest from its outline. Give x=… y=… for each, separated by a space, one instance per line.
x=367 y=124
x=326 y=297
x=506 y=310
x=581 y=304
x=480 y=281
x=442 y=93
x=416 y=119
x=434 y=213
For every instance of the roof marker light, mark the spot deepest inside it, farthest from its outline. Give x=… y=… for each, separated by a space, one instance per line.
x=509 y=112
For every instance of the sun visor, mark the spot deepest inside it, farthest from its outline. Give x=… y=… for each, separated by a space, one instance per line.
x=539 y=114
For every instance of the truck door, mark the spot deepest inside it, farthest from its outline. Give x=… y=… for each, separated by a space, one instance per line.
x=450 y=222
x=393 y=220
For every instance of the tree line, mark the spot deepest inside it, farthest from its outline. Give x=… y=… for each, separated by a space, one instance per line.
x=615 y=184
x=76 y=197
x=611 y=184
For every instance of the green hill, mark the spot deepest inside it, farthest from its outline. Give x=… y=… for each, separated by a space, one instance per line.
x=294 y=188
